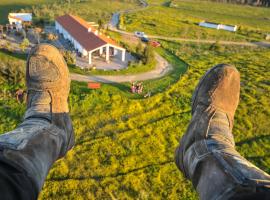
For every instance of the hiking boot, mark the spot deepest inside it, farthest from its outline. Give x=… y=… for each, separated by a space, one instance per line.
x=206 y=154
x=46 y=133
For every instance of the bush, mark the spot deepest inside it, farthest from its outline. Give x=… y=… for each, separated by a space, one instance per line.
x=70 y=57
x=216 y=47
x=148 y=55
x=25 y=43
x=139 y=49
x=52 y=37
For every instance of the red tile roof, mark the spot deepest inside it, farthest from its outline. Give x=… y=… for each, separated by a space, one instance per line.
x=78 y=29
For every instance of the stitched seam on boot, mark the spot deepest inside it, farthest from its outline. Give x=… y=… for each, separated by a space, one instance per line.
x=195 y=102
x=234 y=173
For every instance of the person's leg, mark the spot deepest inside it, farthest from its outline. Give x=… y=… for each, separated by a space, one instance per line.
x=206 y=154
x=46 y=133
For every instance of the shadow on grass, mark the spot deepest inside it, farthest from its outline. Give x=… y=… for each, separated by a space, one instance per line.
x=253 y=139
x=101 y=177
x=14 y=55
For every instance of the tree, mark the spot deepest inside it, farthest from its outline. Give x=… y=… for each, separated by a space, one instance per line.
x=139 y=48
x=37 y=32
x=217 y=47
x=52 y=37
x=8 y=46
x=69 y=57
x=25 y=43
x=100 y=24
x=121 y=24
x=148 y=55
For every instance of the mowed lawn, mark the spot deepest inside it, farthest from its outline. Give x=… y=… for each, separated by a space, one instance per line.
x=180 y=19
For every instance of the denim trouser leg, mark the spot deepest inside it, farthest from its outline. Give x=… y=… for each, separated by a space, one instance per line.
x=33 y=146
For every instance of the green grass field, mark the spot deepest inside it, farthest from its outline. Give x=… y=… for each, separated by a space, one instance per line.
x=181 y=20
x=125 y=145
x=89 y=10
x=7 y=6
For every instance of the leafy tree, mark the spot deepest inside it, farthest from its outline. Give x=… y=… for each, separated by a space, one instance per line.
x=25 y=43
x=217 y=47
x=148 y=55
x=121 y=24
x=69 y=57
x=100 y=24
x=139 y=48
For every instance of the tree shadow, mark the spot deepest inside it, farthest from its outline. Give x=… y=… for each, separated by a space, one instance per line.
x=14 y=55
x=253 y=139
x=115 y=175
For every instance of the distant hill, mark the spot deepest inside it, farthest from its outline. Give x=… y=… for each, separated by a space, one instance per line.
x=265 y=3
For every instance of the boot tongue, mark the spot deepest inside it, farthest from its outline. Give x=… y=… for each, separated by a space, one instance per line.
x=39 y=105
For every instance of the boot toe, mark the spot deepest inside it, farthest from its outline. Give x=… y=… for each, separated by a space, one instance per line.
x=46 y=68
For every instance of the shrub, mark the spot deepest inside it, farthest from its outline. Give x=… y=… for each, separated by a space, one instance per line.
x=51 y=36
x=148 y=55
x=70 y=57
x=24 y=44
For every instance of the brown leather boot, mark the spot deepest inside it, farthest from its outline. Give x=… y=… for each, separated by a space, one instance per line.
x=46 y=133
x=206 y=154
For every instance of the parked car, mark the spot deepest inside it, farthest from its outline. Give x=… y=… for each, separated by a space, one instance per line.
x=154 y=43
x=144 y=39
x=140 y=34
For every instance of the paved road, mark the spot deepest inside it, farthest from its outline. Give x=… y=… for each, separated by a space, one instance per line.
x=161 y=69
x=263 y=44
x=115 y=17
x=115 y=20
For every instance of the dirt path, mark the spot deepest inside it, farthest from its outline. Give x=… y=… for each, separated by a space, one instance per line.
x=115 y=20
x=262 y=44
x=161 y=69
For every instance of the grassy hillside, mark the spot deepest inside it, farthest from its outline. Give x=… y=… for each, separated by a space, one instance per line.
x=180 y=18
x=7 y=6
x=125 y=146
x=90 y=10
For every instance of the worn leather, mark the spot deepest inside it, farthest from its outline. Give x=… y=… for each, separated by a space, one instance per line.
x=46 y=134
x=206 y=154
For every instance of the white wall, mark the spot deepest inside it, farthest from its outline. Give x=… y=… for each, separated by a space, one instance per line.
x=66 y=35
x=18 y=23
x=218 y=26
x=228 y=28
x=208 y=25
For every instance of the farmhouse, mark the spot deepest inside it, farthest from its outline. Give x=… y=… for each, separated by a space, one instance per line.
x=19 y=19
x=231 y=28
x=86 y=39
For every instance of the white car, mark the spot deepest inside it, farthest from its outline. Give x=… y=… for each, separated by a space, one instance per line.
x=140 y=34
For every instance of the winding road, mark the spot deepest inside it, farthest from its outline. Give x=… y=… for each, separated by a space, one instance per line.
x=162 y=67
x=113 y=26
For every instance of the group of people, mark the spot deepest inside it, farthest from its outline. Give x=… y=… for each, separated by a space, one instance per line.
x=137 y=87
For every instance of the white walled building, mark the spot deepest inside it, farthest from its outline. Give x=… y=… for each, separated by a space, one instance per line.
x=231 y=28
x=86 y=39
x=19 y=18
